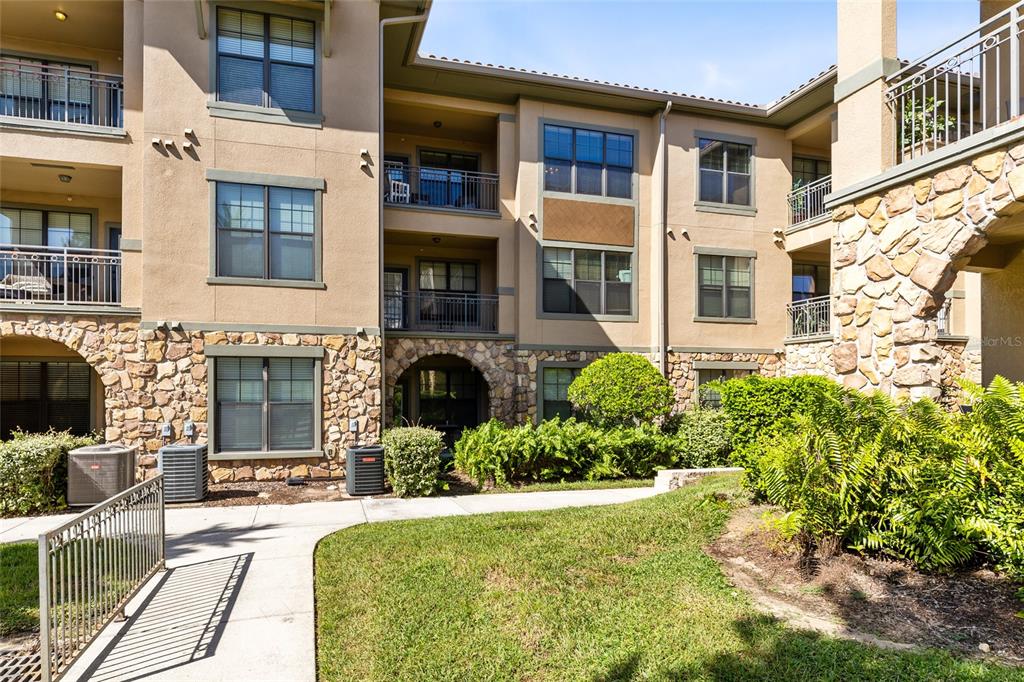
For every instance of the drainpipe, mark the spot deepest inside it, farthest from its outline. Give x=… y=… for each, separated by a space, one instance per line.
x=384 y=23
x=658 y=241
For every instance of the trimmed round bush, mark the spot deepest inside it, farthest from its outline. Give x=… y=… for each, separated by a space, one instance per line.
x=703 y=438
x=33 y=471
x=412 y=460
x=621 y=389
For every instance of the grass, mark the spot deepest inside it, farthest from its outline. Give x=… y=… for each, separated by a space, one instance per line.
x=605 y=593
x=19 y=588
x=575 y=485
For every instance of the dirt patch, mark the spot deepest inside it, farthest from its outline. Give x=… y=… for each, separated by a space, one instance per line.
x=270 y=492
x=888 y=603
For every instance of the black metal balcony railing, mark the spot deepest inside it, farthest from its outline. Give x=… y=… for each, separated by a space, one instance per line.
x=55 y=275
x=807 y=203
x=963 y=88
x=441 y=312
x=810 y=317
x=406 y=185
x=61 y=94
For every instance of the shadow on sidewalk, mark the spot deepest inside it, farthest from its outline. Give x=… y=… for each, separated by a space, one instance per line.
x=181 y=621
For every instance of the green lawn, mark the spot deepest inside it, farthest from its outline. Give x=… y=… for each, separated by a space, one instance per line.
x=607 y=593
x=576 y=485
x=19 y=588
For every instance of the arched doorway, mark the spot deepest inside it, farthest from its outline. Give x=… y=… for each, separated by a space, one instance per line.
x=43 y=385
x=444 y=392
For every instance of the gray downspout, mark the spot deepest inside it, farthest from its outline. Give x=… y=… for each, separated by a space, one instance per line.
x=660 y=224
x=384 y=23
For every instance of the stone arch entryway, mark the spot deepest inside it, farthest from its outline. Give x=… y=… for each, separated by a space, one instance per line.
x=95 y=342
x=444 y=392
x=896 y=256
x=493 y=359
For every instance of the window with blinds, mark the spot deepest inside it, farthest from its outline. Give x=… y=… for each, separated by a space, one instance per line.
x=34 y=227
x=555 y=383
x=725 y=286
x=265 y=60
x=582 y=281
x=37 y=396
x=264 y=404
x=265 y=232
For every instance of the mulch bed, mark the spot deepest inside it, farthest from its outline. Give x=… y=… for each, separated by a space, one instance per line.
x=270 y=492
x=972 y=613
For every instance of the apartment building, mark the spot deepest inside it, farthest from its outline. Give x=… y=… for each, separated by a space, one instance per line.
x=277 y=227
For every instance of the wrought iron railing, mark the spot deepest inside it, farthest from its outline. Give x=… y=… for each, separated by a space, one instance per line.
x=808 y=202
x=963 y=88
x=440 y=311
x=60 y=93
x=810 y=317
x=62 y=275
x=406 y=185
x=92 y=566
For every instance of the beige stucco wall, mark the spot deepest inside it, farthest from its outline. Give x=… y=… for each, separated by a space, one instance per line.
x=583 y=332
x=176 y=194
x=772 y=268
x=1002 y=321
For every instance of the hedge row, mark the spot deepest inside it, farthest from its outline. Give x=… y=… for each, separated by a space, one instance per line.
x=33 y=471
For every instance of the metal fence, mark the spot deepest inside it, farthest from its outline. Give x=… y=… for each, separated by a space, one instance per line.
x=444 y=312
x=440 y=188
x=61 y=93
x=68 y=275
x=810 y=317
x=808 y=202
x=92 y=566
x=960 y=89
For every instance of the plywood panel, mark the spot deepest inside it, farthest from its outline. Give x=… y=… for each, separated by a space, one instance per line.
x=588 y=222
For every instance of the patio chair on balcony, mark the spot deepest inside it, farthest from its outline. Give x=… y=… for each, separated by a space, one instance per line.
x=19 y=287
x=400 y=192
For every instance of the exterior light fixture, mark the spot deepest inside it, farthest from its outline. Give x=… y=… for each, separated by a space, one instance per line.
x=60 y=15
x=63 y=177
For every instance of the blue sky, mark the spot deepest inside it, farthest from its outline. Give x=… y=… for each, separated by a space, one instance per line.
x=752 y=51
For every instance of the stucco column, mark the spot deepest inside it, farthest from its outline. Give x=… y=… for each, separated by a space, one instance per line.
x=866 y=36
x=131 y=172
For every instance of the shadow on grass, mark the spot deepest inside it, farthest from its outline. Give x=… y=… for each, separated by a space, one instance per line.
x=771 y=652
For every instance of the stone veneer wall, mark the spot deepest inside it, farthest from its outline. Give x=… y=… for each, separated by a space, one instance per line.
x=682 y=374
x=810 y=357
x=957 y=359
x=155 y=376
x=895 y=255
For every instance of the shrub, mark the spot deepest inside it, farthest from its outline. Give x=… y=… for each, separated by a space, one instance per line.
x=703 y=438
x=621 y=389
x=561 y=450
x=900 y=478
x=412 y=460
x=33 y=471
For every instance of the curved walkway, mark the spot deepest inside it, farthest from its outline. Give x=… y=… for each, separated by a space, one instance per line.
x=236 y=602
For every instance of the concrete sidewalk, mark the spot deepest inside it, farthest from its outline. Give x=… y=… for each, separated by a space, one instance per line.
x=236 y=602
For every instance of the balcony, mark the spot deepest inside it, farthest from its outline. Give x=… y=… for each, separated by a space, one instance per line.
x=443 y=188
x=59 y=95
x=809 y=318
x=807 y=203
x=59 y=276
x=962 y=89
x=426 y=311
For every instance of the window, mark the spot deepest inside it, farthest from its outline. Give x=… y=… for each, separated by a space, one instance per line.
x=806 y=171
x=583 y=281
x=36 y=88
x=31 y=227
x=555 y=391
x=809 y=280
x=709 y=397
x=265 y=61
x=724 y=286
x=725 y=172
x=265 y=404
x=35 y=396
x=265 y=232
x=588 y=162
x=446 y=276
